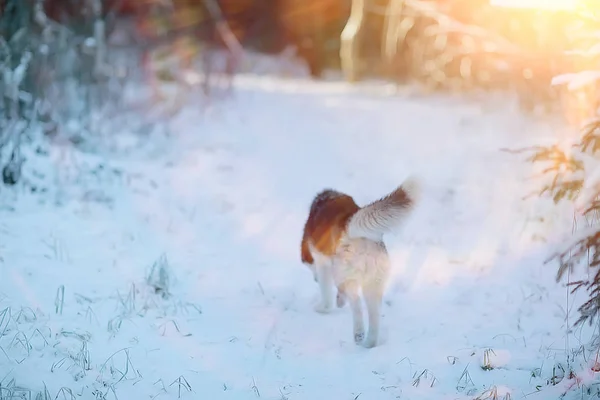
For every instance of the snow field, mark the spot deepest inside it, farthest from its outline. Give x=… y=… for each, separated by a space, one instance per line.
x=226 y=311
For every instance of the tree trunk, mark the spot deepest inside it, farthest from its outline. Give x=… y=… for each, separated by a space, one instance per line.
x=351 y=39
x=392 y=29
x=393 y=38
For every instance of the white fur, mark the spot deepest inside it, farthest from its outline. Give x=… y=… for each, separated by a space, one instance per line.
x=380 y=217
x=322 y=271
x=363 y=265
x=359 y=264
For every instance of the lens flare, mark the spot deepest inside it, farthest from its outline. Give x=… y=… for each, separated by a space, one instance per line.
x=542 y=4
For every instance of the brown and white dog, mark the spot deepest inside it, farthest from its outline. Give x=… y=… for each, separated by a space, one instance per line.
x=343 y=246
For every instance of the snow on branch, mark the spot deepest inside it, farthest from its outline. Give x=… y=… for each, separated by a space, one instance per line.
x=577 y=80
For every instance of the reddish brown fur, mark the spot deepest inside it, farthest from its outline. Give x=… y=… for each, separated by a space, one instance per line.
x=326 y=223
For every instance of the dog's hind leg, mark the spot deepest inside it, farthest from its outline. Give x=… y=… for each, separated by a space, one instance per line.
x=325 y=280
x=351 y=289
x=373 y=294
x=340 y=299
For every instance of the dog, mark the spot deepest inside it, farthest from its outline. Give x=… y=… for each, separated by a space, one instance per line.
x=342 y=244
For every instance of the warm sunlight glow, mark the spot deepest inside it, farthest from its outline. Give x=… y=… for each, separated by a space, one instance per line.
x=540 y=4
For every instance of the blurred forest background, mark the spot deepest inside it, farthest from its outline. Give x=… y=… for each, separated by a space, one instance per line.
x=54 y=51
x=74 y=70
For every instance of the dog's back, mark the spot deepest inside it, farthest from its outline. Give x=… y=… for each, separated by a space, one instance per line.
x=326 y=223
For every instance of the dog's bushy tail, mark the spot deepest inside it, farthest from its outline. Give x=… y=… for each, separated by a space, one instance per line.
x=385 y=214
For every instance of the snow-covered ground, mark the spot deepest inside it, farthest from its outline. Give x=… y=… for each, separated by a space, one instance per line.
x=227 y=312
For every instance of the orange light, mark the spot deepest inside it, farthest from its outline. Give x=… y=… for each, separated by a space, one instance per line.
x=540 y=4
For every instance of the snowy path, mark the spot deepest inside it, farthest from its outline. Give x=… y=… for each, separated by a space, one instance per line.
x=227 y=205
